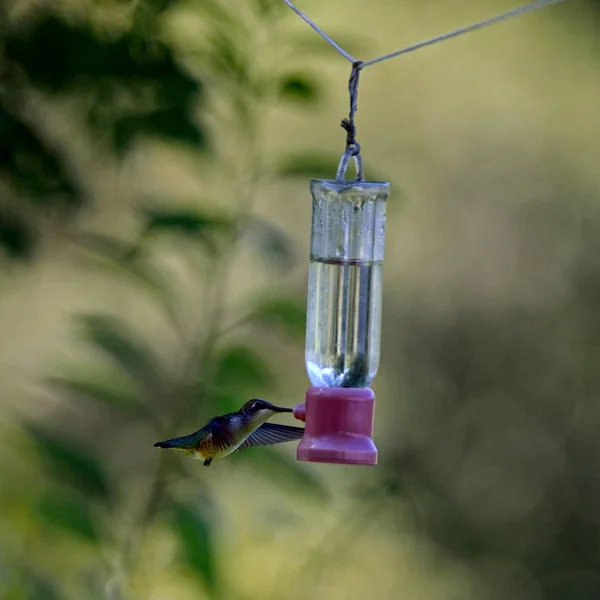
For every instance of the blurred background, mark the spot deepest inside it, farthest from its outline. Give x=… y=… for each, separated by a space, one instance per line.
x=154 y=226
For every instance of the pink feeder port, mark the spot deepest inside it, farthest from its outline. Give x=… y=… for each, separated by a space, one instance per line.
x=300 y=412
x=339 y=426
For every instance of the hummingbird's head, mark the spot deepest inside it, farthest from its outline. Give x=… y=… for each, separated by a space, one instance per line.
x=261 y=410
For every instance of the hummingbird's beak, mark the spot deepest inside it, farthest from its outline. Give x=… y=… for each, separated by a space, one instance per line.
x=281 y=409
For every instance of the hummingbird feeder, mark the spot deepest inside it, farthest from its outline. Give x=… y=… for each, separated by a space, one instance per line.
x=343 y=330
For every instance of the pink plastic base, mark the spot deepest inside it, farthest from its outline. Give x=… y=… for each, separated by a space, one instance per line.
x=339 y=426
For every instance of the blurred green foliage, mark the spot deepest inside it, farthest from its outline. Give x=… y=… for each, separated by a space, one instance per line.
x=497 y=466
x=196 y=536
x=493 y=449
x=124 y=84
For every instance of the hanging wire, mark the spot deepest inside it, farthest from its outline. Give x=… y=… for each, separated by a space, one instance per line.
x=440 y=38
x=352 y=146
x=451 y=34
x=320 y=32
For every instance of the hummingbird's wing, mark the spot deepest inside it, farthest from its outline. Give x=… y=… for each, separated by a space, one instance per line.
x=271 y=433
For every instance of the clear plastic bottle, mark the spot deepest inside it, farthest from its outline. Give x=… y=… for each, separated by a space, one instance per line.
x=343 y=332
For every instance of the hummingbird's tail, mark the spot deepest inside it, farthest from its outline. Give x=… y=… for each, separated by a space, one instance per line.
x=166 y=444
x=187 y=442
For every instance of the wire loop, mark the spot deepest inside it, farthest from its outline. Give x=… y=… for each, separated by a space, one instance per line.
x=358 y=165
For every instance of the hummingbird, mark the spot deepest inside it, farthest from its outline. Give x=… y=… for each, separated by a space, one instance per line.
x=235 y=431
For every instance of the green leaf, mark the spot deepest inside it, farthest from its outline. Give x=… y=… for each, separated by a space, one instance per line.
x=298 y=87
x=271 y=241
x=73 y=51
x=109 y=335
x=191 y=223
x=38 y=586
x=229 y=59
x=226 y=17
x=105 y=388
x=146 y=14
x=132 y=81
x=33 y=168
x=71 y=463
x=80 y=55
x=169 y=123
x=240 y=368
x=197 y=541
x=287 y=314
x=283 y=471
x=16 y=238
x=124 y=259
x=108 y=247
x=69 y=514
